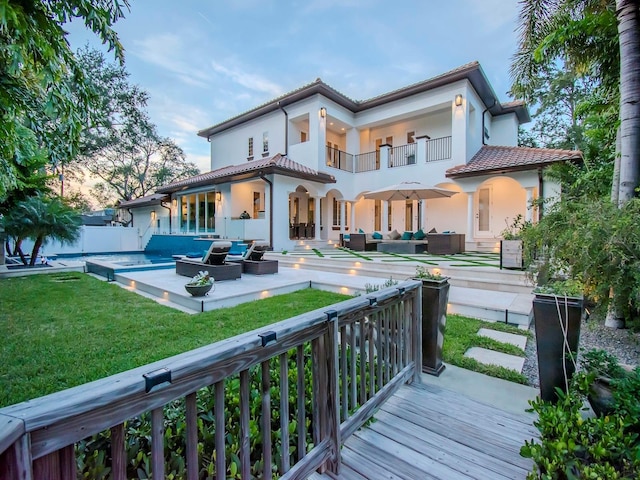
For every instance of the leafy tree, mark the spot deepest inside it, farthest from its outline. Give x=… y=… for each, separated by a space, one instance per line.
x=598 y=38
x=121 y=146
x=40 y=115
x=42 y=218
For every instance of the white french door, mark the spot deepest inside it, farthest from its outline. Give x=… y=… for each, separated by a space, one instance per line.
x=483 y=212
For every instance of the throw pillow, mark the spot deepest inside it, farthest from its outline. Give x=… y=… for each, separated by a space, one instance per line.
x=395 y=235
x=419 y=235
x=360 y=230
x=377 y=236
x=407 y=235
x=433 y=230
x=346 y=237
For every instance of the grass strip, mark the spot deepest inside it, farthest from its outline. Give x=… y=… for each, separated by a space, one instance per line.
x=462 y=334
x=60 y=332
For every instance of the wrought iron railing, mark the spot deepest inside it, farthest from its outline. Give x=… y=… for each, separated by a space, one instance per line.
x=402 y=155
x=367 y=162
x=439 y=149
x=339 y=159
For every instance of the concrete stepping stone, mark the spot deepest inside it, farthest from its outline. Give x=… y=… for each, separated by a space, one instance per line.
x=491 y=357
x=503 y=337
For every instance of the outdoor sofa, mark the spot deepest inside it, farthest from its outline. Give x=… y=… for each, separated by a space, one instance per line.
x=212 y=262
x=408 y=242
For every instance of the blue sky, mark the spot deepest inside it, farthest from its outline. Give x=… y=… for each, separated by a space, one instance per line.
x=203 y=61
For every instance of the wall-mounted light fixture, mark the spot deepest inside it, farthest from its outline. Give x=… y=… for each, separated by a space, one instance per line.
x=323 y=112
x=458 y=100
x=218 y=196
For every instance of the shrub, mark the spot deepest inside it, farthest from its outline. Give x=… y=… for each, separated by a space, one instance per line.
x=93 y=455
x=574 y=445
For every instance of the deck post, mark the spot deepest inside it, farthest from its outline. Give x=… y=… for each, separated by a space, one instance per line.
x=333 y=396
x=416 y=334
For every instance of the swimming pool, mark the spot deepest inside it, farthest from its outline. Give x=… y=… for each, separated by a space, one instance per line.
x=124 y=259
x=108 y=265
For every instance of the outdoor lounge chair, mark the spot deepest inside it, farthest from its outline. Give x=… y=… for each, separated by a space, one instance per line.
x=254 y=264
x=212 y=262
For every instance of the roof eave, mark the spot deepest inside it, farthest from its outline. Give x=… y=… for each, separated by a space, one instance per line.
x=473 y=72
x=320 y=177
x=517 y=168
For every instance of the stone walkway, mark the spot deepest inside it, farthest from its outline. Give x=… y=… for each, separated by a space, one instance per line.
x=491 y=357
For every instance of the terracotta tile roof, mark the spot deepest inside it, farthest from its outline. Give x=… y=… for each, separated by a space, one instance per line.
x=275 y=164
x=492 y=159
x=154 y=199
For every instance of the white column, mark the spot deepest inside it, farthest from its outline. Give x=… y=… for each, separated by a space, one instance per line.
x=469 y=216
x=384 y=222
x=423 y=212
x=316 y=217
x=421 y=149
x=528 y=216
x=343 y=215
x=414 y=220
x=385 y=155
x=353 y=216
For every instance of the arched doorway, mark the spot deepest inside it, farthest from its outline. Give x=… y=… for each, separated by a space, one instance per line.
x=302 y=214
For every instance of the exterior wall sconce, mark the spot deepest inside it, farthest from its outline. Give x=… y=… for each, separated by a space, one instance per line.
x=323 y=112
x=458 y=100
x=218 y=196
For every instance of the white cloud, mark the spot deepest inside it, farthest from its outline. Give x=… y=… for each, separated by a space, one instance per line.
x=173 y=54
x=248 y=80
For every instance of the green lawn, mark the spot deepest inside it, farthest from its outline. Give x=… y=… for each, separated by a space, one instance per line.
x=64 y=330
x=462 y=334
x=59 y=331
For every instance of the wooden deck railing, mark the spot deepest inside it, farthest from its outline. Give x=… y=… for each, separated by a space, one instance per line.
x=278 y=401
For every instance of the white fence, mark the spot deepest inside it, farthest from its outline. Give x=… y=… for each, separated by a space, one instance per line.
x=93 y=240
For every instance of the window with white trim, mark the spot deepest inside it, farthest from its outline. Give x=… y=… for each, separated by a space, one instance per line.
x=265 y=142
x=250 y=148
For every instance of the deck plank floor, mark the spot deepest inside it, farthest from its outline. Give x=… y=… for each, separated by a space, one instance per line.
x=425 y=432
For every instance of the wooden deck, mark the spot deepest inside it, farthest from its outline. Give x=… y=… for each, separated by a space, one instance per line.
x=425 y=432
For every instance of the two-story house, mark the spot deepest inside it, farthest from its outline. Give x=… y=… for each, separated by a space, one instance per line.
x=301 y=164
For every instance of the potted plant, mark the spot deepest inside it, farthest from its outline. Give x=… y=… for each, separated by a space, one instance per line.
x=511 y=245
x=557 y=314
x=435 y=297
x=603 y=372
x=200 y=284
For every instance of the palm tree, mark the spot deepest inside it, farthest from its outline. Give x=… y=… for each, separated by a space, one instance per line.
x=628 y=14
x=588 y=35
x=41 y=219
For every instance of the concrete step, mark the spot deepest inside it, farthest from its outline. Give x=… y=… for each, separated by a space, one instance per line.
x=486 y=278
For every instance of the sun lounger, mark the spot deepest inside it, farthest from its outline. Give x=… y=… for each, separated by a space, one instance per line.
x=212 y=262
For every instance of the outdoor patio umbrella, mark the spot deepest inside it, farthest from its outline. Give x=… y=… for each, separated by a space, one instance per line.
x=409 y=191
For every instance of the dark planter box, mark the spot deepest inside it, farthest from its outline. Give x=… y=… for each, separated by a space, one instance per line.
x=435 y=296
x=550 y=344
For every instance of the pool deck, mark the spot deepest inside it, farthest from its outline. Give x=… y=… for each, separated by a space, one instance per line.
x=167 y=287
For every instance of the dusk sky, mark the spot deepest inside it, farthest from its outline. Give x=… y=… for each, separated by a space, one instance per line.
x=205 y=61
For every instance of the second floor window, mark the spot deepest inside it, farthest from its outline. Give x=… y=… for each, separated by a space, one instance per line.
x=265 y=142
x=250 y=147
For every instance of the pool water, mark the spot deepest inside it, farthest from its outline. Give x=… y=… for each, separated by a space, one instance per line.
x=123 y=259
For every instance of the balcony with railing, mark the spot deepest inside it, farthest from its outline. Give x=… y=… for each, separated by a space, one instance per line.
x=410 y=154
x=338 y=159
